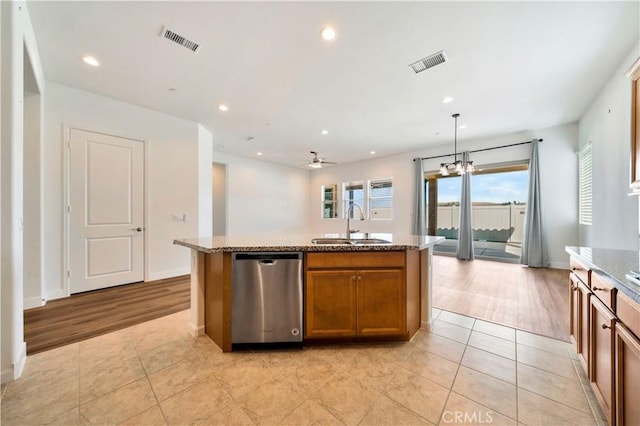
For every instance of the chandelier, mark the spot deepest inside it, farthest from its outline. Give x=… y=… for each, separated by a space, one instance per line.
x=457 y=166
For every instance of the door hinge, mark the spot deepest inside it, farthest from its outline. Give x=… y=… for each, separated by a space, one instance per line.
x=68 y=273
x=68 y=209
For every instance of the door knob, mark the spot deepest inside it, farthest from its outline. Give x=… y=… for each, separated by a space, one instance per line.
x=139 y=229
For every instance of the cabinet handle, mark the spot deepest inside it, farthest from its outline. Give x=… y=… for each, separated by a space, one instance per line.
x=605 y=326
x=353 y=277
x=359 y=277
x=601 y=289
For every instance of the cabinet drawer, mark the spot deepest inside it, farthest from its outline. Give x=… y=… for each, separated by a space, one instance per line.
x=629 y=313
x=604 y=291
x=355 y=259
x=581 y=271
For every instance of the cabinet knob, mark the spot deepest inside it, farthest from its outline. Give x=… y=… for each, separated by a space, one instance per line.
x=359 y=277
x=605 y=326
x=601 y=289
x=353 y=277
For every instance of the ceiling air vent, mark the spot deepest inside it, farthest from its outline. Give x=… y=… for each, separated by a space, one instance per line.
x=181 y=40
x=429 y=62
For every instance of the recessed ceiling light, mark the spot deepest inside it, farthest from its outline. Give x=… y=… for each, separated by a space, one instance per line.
x=325 y=132
x=463 y=126
x=90 y=60
x=447 y=100
x=372 y=153
x=328 y=33
x=258 y=153
x=223 y=107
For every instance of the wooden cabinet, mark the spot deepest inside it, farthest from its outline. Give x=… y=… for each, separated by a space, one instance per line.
x=330 y=305
x=579 y=329
x=605 y=325
x=574 y=311
x=602 y=327
x=634 y=75
x=359 y=295
x=381 y=302
x=627 y=377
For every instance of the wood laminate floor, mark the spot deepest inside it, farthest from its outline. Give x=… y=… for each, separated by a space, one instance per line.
x=532 y=299
x=94 y=313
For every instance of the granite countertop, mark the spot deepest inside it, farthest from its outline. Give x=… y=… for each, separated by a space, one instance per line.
x=302 y=242
x=613 y=265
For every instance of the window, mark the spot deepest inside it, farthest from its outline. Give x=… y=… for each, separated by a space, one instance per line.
x=380 y=199
x=498 y=194
x=329 y=201
x=353 y=193
x=585 y=160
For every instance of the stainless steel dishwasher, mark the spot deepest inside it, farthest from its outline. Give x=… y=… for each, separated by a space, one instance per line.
x=266 y=297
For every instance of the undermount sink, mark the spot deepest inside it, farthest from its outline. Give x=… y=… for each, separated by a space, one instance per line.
x=349 y=241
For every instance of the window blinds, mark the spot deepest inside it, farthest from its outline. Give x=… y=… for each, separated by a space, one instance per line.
x=585 y=160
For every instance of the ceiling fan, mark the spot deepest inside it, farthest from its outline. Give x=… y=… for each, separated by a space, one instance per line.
x=317 y=162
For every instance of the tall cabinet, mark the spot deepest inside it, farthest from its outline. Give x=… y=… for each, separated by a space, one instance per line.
x=634 y=75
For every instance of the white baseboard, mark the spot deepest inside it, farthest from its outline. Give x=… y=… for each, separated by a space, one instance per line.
x=196 y=331
x=56 y=294
x=426 y=325
x=15 y=371
x=33 y=302
x=168 y=274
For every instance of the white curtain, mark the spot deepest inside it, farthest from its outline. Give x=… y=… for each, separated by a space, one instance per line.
x=465 y=233
x=534 y=247
x=419 y=216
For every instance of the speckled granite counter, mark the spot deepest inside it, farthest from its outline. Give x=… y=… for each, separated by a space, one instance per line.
x=211 y=271
x=302 y=242
x=612 y=265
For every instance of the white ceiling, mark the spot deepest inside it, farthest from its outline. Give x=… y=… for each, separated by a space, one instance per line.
x=512 y=66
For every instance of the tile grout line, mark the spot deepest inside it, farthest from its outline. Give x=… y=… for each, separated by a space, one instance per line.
x=466 y=345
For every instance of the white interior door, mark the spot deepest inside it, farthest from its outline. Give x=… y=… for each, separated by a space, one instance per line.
x=106 y=211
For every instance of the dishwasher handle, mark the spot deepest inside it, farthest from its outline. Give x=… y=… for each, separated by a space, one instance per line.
x=268 y=262
x=268 y=256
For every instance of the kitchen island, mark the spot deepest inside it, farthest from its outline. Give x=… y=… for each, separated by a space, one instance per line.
x=408 y=255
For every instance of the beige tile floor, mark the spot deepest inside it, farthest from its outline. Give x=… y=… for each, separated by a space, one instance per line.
x=465 y=371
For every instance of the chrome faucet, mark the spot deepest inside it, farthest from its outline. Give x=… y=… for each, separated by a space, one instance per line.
x=349 y=211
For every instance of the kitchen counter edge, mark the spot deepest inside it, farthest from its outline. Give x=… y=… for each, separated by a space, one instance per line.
x=223 y=244
x=612 y=265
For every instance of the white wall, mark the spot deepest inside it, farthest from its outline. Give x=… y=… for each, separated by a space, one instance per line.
x=264 y=197
x=558 y=176
x=18 y=47
x=205 y=179
x=607 y=125
x=34 y=293
x=219 y=200
x=172 y=176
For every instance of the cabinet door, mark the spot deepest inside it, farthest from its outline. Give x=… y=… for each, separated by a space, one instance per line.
x=574 y=311
x=381 y=302
x=584 y=312
x=602 y=327
x=627 y=377
x=634 y=74
x=330 y=304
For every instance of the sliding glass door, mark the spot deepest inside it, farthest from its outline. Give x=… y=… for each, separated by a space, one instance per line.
x=498 y=195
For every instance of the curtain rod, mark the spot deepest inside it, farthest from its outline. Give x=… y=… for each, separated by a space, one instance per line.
x=480 y=150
